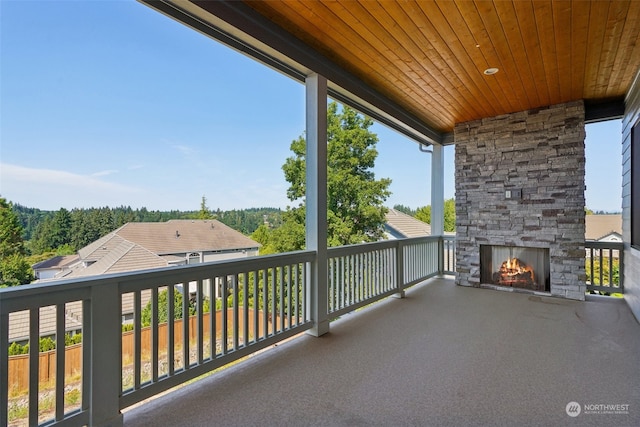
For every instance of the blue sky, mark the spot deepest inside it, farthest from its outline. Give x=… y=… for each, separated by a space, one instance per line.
x=109 y=103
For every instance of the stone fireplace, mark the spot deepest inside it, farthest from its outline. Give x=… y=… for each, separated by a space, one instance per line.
x=520 y=184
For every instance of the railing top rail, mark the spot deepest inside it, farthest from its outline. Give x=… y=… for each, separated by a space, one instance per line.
x=382 y=244
x=603 y=245
x=220 y=268
x=24 y=301
x=171 y=275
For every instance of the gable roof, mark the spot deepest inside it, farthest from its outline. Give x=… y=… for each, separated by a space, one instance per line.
x=146 y=245
x=403 y=225
x=599 y=226
x=125 y=256
x=60 y=261
x=181 y=236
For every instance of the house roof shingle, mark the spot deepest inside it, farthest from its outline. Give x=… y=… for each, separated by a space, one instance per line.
x=60 y=261
x=184 y=236
x=145 y=245
x=599 y=226
x=406 y=225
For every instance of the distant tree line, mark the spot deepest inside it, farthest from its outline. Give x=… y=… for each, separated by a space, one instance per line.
x=48 y=233
x=588 y=211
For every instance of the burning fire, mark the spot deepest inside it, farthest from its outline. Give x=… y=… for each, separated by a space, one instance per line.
x=515 y=267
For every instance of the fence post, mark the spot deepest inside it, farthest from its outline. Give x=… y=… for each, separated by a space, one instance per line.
x=105 y=355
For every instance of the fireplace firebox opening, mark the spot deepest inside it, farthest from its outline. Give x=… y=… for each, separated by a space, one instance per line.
x=515 y=267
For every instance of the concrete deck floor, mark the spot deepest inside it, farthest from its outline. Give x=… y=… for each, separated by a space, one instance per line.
x=443 y=356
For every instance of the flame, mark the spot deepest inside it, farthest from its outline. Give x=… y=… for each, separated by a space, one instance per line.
x=513 y=267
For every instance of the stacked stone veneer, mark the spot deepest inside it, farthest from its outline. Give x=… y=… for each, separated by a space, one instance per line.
x=540 y=152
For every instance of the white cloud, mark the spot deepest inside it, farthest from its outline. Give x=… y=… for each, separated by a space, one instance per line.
x=184 y=149
x=105 y=172
x=51 y=189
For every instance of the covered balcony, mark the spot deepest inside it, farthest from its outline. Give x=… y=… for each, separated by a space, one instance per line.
x=512 y=85
x=436 y=354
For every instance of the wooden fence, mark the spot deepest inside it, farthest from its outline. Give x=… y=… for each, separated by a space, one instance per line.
x=19 y=365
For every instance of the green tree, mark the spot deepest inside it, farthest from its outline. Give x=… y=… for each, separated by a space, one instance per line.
x=354 y=197
x=262 y=235
x=204 y=212
x=47 y=344
x=424 y=214
x=124 y=215
x=88 y=225
x=14 y=268
x=61 y=229
x=53 y=232
x=290 y=236
x=405 y=209
x=11 y=241
x=450 y=215
x=163 y=308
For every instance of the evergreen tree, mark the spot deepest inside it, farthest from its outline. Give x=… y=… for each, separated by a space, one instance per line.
x=14 y=268
x=405 y=209
x=61 y=229
x=204 y=212
x=11 y=241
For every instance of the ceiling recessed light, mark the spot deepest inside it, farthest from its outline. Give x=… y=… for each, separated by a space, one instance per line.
x=490 y=71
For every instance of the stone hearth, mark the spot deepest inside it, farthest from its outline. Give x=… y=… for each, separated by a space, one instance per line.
x=520 y=182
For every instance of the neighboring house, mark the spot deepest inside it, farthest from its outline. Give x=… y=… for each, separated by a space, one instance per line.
x=56 y=266
x=603 y=228
x=19 y=322
x=399 y=225
x=135 y=246
x=145 y=245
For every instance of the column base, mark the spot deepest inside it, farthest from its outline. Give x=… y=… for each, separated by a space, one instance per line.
x=319 y=329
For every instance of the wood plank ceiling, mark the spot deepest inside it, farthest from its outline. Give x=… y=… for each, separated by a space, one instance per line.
x=429 y=56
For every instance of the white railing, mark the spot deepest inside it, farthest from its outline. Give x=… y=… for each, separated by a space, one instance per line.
x=362 y=274
x=265 y=303
x=177 y=333
x=448 y=254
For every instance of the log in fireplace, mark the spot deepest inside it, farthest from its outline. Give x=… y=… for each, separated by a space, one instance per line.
x=515 y=266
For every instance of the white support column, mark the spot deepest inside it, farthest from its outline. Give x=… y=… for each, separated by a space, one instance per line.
x=316 y=200
x=437 y=190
